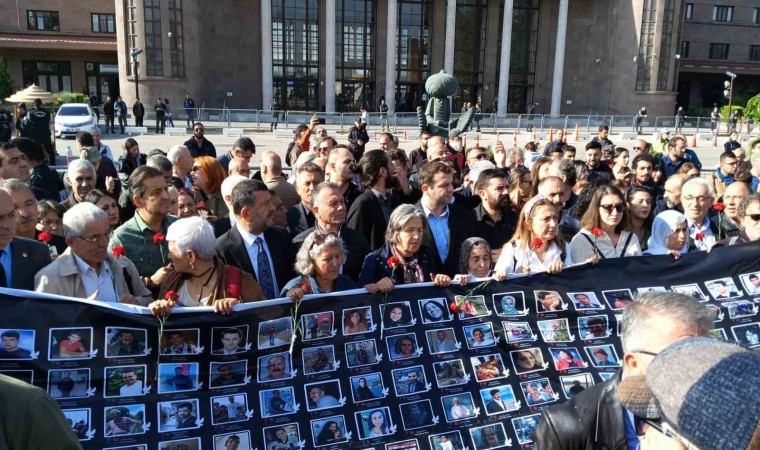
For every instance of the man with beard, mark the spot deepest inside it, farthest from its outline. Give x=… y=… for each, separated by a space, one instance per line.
x=437 y=151
x=341 y=170
x=642 y=167
x=301 y=217
x=370 y=212
x=185 y=417
x=594 y=161
x=226 y=377
x=672 y=195
x=558 y=192
x=495 y=219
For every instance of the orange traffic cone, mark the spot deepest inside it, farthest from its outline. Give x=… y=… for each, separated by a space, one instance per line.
x=551 y=134
x=577 y=136
x=514 y=139
x=694 y=140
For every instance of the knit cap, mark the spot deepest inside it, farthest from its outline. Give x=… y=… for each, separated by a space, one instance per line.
x=707 y=390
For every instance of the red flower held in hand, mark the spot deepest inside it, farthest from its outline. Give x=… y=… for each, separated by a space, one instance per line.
x=393 y=262
x=172 y=296
x=699 y=236
x=45 y=237
x=597 y=232
x=119 y=251
x=537 y=243
x=305 y=286
x=158 y=238
x=719 y=206
x=454 y=307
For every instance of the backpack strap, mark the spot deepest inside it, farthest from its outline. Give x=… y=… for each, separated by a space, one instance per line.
x=128 y=281
x=232 y=280
x=601 y=256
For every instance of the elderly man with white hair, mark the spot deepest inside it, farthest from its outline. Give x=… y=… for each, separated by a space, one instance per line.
x=81 y=177
x=224 y=224
x=86 y=269
x=697 y=198
x=182 y=163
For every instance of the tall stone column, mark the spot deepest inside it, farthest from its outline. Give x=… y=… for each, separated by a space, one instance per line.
x=506 y=50
x=559 y=58
x=267 y=88
x=329 y=55
x=449 y=44
x=390 y=56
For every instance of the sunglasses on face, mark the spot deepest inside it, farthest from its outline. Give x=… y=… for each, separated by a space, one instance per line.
x=195 y=169
x=754 y=217
x=619 y=207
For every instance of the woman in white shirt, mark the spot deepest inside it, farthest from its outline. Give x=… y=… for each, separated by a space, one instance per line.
x=539 y=220
x=606 y=214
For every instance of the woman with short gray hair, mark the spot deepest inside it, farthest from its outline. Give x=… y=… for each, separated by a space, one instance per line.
x=318 y=262
x=403 y=259
x=200 y=277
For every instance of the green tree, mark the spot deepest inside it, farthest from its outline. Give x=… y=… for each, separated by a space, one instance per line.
x=6 y=84
x=752 y=110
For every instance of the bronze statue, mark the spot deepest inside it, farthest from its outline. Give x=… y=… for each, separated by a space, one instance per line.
x=436 y=117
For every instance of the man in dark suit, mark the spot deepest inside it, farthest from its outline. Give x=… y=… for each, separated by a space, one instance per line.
x=384 y=190
x=300 y=217
x=496 y=404
x=20 y=259
x=329 y=207
x=415 y=384
x=447 y=225
x=253 y=245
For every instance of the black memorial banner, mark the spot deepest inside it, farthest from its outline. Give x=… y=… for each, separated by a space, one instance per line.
x=391 y=372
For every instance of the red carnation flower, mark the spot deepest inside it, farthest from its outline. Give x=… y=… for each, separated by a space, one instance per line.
x=393 y=262
x=454 y=307
x=158 y=238
x=537 y=243
x=45 y=237
x=597 y=232
x=172 y=296
x=305 y=286
x=719 y=206
x=699 y=236
x=119 y=251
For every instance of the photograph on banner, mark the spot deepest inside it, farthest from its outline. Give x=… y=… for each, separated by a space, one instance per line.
x=287 y=436
x=329 y=431
x=719 y=333
x=409 y=444
x=442 y=340
x=575 y=384
x=459 y=407
x=124 y=420
x=583 y=301
x=499 y=399
x=489 y=437
x=180 y=444
x=447 y=441
x=70 y=344
x=275 y=333
x=68 y=383
x=472 y=307
x=180 y=341
x=226 y=374
x=229 y=340
x=125 y=342
x=318 y=359
x=177 y=377
x=396 y=315
x=27 y=376
x=517 y=332
x=479 y=336
x=594 y=327
x=357 y=320
x=619 y=324
x=434 y=310
x=277 y=366
x=125 y=381
x=417 y=414
x=509 y=304
x=528 y=360
x=748 y=334
x=17 y=343
x=409 y=380
x=723 y=289
x=692 y=290
x=323 y=395
x=317 y=326
x=79 y=419
x=277 y=402
x=604 y=376
x=555 y=330
x=567 y=358
x=368 y=387
x=618 y=299
x=740 y=309
x=374 y=423
x=450 y=373
x=237 y=440
x=524 y=427
x=488 y=367
x=717 y=313
x=230 y=408
x=602 y=356
x=402 y=346
x=751 y=282
x=140 y=447
x=178 y=415
x=538 y=392
x=549 y=301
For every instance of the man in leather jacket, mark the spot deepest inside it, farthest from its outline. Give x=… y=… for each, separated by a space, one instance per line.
x=595 y=419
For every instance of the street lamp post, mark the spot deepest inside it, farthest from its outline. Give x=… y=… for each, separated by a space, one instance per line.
x=729 y=93
x=135 y=53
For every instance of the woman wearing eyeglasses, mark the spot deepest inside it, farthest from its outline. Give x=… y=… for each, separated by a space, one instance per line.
x=607 y=215
x=318 y=262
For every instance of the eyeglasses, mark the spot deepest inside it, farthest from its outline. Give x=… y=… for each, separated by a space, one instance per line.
x=480 y=156
x=731 y=163
x=320 y=238
x=49 y=223
x=619 y=207
x=698 y=199
x=638 y=148
x=195 y=169
x=97 y=238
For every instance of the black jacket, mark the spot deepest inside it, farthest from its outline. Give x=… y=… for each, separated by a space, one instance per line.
x=354 y=135
x=591 y=420
x=366 y=215
x=375 y=266
x=299 y=219
x=46 y=183
x=108 y=108
x=128 y=164
x=27 y=258
x=461 y=226
x=356 y=246
x=138 y=110
x=206 y=148
x=36 y=126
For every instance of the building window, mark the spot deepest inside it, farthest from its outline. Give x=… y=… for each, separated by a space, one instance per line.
x=176 y=41
x=754 y=52
x=663 y=69
x=469 y=51
x=52 y=76
x=645 y=57
x=689 y=11
x=756 y=16
x=413 y=52
x=723 y=13
x=522 y=61
x=131 y=41
x=103 y=23
x=153 y=50
x=42 y=20
x=718 y=51
x=295 y=53
x=355 y=54
x=684 y=49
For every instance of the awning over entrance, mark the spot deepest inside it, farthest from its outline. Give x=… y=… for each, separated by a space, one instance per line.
x=61 y=42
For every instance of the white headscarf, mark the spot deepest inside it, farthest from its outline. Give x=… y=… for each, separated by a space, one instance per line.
x=663 y=226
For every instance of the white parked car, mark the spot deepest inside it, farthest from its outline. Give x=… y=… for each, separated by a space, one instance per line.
x=72 y=118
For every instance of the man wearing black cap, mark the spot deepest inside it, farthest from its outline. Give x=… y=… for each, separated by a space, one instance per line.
x=36 y=126
x=357 y=138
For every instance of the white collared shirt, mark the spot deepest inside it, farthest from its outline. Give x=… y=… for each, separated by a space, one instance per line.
x=253 y=253
x=709 y=239
x=523 y=257
x=92 y=281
